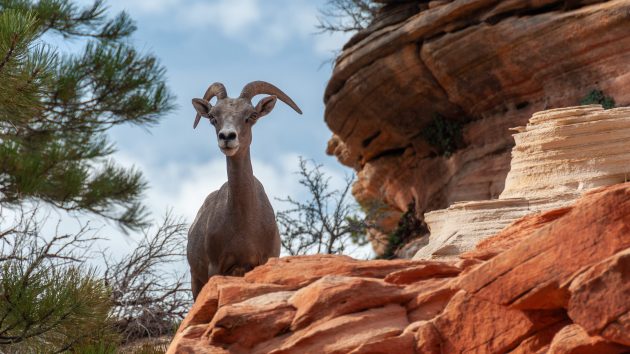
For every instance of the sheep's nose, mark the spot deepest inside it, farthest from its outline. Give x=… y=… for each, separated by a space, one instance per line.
x=227 y=135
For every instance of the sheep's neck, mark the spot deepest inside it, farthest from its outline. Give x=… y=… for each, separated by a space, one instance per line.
x=241 y=181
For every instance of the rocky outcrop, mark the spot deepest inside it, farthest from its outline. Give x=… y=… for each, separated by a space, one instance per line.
x=557 y=283
x=560 y=154
x=484 y=64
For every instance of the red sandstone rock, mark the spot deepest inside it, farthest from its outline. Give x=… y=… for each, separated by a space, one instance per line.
x=402 y=344
x=513 y=234
x=423 y=271
x=253 y=321
x=307 y=269
x=428 y=340
x=231 y=293
x=190 y=341
x=342 y=334
x=207 y=302
x=605 y=287
x=431 y=296
x=576 y=265
x=573 y=339
x=529 y=275
x=539 y=341
x=313 y=301
x=469 y=323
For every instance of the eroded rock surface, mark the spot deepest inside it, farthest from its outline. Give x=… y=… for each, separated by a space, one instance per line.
x=556 y=284
x=559 y=155
x=487 y=64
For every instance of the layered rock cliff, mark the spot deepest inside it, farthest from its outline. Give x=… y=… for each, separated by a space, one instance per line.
x=557 y=282
x=478 y=67
x=559 y=154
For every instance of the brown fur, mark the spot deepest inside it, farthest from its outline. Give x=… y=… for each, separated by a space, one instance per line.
x=235 y=230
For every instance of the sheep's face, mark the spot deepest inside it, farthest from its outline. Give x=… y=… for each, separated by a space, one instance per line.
x=233 y=119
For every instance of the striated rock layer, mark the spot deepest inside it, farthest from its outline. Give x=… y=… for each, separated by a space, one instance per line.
x=558 y=282
x=488 y=64
x=559 y=154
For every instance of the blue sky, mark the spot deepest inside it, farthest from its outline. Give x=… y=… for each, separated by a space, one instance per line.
x=233 y=42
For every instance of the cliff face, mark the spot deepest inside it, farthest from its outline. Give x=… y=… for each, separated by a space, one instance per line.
x=481 y=66
x=559 y=154
x=557 y=282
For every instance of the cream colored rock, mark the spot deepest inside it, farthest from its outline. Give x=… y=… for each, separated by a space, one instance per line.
x=459 y=228
x=569 y=150
x=560 y=154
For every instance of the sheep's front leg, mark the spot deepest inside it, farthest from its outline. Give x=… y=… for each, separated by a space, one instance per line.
x=196 y=285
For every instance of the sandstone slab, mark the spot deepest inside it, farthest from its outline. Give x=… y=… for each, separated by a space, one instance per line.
x=313 y=301
x=496 y=328
x=307 y=269
x=605 y=286
x=530 y=274
x=424 y=271
x=342 y=334
x=252 y=321
x=231 y=293
x=207 y=303
x=431 y=297
x=573 y=339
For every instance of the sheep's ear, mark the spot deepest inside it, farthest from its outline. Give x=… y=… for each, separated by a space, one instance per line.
x=203 y=109
x=201 y=106
x=265 y=106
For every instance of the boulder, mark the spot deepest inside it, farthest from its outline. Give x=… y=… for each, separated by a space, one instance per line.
x=573 y=339
x=535 y=273
x=313 y=301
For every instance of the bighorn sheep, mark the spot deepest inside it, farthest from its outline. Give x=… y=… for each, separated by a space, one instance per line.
x=235 y=228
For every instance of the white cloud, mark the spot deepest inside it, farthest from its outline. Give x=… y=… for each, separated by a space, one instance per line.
x=232 y=17
x=143 y=7
x=265 y=27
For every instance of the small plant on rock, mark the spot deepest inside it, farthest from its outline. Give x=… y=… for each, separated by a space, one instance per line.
x=598 y=97
x=409 y=228
x=444 y=135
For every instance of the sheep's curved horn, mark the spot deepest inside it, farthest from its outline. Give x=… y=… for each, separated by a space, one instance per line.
x=261 y=87
x=216 y=89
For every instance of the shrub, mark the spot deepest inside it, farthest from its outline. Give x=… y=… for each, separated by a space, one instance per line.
x=50 y=301
x=598 y=97
x=444 y=135
x=328 y=222
x=409 y=228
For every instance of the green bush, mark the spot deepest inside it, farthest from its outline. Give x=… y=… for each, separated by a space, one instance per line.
x=598 y=97
x=409 y=228
x=444 y=135
x=49 y=309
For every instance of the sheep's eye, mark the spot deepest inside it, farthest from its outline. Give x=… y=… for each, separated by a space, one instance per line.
x=213 y=120
x=252 y=117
